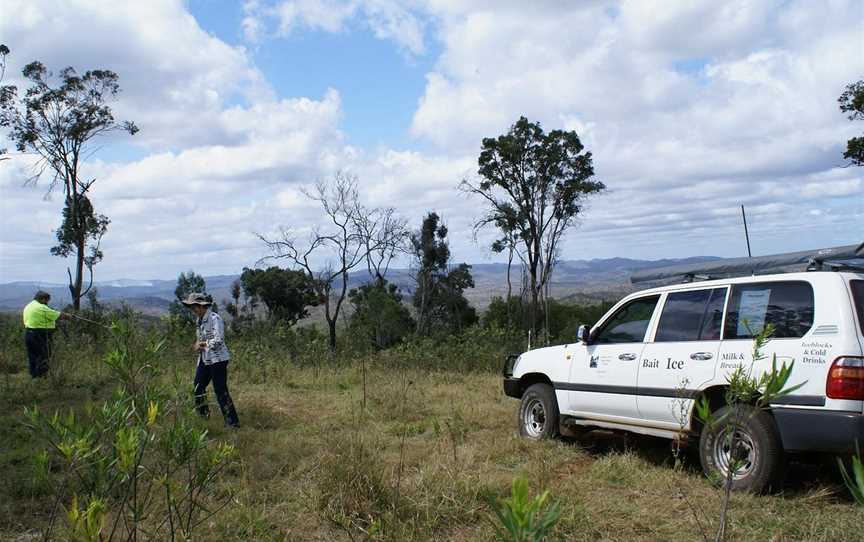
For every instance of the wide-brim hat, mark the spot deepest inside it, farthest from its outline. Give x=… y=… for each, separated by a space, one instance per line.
x=197 y=298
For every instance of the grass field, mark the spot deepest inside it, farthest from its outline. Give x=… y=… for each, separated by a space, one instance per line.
x=425 y=459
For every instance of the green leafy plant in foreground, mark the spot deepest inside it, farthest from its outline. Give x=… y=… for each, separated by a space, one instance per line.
x=855 y=480
x=523 y=519
x=140 y=464
x=745 y=392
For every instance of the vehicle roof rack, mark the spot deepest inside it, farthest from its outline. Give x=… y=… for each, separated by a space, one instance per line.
x=845 y=258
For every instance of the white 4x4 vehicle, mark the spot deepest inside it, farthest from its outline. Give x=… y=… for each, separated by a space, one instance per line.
x=643 y=365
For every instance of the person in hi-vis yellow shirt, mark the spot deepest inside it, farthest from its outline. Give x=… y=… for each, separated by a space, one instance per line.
x=39 y=322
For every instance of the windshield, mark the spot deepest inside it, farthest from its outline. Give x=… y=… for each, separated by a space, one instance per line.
x=858 y=296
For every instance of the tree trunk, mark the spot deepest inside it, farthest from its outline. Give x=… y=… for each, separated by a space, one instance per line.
x=331 y=319
x=421 y=312
x=80 y=237
x=535 y=298
x=79 y=272
x=509 y=287
x=331 y=325
x=546 y=309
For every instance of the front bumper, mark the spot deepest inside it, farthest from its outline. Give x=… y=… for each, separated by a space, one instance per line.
x=512 y=387
x=803 y=430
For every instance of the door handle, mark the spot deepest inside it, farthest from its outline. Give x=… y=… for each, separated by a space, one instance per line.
x=627 y=357
x=701 y=356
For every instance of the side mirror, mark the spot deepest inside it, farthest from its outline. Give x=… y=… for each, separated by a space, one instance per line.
x=583 y=334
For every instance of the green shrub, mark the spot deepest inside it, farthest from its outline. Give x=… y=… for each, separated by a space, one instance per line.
x=119 y=456
x=477 y=349
x=523 y=519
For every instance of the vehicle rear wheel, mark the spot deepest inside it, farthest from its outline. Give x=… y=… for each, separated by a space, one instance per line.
x=538 y=413
x=757 y=458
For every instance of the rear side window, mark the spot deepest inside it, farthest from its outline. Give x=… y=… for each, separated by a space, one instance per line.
x=629 y=323
x=692 y=316
x=858 y=296
x=786 y=305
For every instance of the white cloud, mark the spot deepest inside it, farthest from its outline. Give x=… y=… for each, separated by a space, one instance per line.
x=327 y=15
x=832 y=186
x=175 y=78
x=690 y=109
x=218 y=143
x=392 y=20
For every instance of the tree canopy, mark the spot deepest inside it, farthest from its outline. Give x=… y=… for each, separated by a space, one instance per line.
x=286 y=293
x=187 y=283
x=379 y=314
x=852 y=102
x=439 y=294
x=535 y=185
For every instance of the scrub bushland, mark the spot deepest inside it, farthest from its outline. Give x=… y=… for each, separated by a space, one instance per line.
x=416 y=442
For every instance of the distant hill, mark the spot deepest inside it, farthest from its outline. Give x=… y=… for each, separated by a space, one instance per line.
x=578 y=280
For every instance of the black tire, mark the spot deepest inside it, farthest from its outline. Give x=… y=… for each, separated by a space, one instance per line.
x=538 y=413
x=760 y=449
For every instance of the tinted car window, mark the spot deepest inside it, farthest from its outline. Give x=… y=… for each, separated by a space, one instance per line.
x=858 y=296
x=692 y=316
x=629 y=324
x=786 y=305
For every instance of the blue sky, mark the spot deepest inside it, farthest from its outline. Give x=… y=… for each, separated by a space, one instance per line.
x=380 y=85
x=690 y=109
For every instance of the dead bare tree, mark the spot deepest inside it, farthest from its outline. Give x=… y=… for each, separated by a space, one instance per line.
x=385 y=236
x=354 y=234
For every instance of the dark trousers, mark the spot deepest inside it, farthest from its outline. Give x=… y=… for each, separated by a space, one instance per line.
x=38 y=344
x=218 y=374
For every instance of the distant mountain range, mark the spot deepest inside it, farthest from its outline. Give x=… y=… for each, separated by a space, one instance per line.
x=579 y=280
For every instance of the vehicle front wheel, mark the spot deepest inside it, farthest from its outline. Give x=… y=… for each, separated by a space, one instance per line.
x=538 y=413
x=755 y=453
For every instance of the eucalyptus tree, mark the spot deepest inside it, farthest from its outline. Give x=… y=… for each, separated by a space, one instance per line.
x=535 y=185
x=59 y=123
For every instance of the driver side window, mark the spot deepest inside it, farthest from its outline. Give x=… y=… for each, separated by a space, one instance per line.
x=629 y=323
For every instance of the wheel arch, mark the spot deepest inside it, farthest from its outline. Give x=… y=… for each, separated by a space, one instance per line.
x=529 y=379
x=716 y=399
x=716 y=396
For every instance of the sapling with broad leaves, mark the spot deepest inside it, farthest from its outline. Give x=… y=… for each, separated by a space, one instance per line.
x=525 y=519
x=747 y=398
x=140 y=464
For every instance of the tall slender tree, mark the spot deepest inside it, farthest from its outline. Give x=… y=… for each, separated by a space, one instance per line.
x=58 y=124
x=438 y=294
x=535 y=185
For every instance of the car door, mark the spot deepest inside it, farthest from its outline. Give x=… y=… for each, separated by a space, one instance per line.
x=682 y=354
x=603 y=374
x=789 y=307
